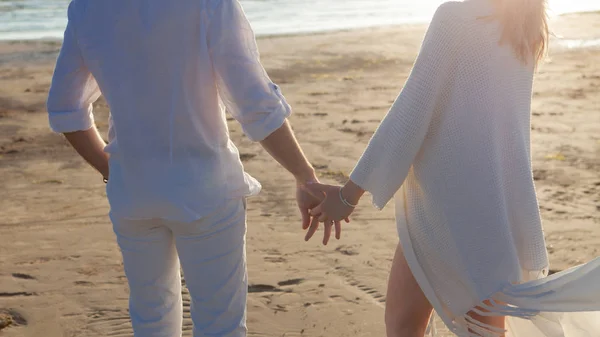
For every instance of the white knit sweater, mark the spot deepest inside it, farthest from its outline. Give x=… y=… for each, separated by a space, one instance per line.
x=455 y=151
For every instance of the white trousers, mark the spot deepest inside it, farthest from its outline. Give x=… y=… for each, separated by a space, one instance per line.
x=212 y=253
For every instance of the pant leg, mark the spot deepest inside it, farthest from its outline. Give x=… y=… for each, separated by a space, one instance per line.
x=152 y=269
x=212 y=252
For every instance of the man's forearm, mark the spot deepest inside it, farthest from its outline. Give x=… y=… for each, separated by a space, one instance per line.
x=284 y=148
x=90 y=145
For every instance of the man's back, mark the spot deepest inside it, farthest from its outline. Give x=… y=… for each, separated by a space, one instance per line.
x=164 y=67
x=151 y=62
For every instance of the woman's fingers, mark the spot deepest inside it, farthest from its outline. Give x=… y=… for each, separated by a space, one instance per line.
x=338 y=230
x=327 y=232
x=312 y=229
x=325 y=212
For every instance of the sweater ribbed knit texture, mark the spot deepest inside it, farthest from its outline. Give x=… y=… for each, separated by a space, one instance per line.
x=454 y=149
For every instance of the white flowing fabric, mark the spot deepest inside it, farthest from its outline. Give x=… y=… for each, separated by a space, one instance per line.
x=454 y=150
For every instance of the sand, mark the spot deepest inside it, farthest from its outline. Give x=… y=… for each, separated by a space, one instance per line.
x=60 y=268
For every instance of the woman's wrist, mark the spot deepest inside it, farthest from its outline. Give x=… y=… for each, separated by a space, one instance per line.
x=352 y=192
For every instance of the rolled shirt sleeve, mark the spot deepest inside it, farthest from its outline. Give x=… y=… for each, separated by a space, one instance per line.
x=73 y=89
x=243 y=84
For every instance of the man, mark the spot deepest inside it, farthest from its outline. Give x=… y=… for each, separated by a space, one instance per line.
x=175 y=183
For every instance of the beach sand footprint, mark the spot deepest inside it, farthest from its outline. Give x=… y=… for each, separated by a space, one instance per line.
x=264 y=288
x=17 y=293
x=11 y=318
x=362 y=287
x=358 y=133
x=291 y=282
x=117 y=323
x=246 y=156
x=23 y=276
x=348 y=250
x=111 y=323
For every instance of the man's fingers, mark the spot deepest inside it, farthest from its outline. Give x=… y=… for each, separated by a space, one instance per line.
x=305 y=218
x=347 y=220
x=327 y=232
x=318 y=190
x=312 y=229
x=316 y=211
x=314 y=189
x=338 y=230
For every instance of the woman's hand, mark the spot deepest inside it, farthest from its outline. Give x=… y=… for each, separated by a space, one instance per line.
x=306 y=201
x=331 y=211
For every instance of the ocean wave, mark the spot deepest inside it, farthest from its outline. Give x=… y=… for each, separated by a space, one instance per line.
x=578 y=43
x=36 y=19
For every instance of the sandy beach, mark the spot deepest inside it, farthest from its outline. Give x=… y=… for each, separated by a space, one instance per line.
x=60 y=267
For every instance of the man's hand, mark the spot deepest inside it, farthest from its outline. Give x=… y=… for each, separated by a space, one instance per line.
x=333 y=209
x=283 y=147
x=324 y=212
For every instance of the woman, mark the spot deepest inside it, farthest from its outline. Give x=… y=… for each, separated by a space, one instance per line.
x=455 y=151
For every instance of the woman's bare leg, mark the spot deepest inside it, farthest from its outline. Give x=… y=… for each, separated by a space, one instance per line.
x=495 y=321
x=407 y=311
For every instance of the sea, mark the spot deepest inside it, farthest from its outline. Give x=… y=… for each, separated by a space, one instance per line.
x=41 y=19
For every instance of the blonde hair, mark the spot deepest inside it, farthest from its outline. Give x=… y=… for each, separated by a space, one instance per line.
x=525 y=27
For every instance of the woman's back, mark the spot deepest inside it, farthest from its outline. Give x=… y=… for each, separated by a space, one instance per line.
x=457 y=140
x=454 y=149
x=472 y=175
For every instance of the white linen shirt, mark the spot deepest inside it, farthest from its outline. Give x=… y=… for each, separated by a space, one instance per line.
x=164 y=68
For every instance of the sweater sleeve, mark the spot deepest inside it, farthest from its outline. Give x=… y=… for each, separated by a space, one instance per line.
x=387 y=159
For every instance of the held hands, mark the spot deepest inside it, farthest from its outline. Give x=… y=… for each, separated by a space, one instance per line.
x=306 y=201
x=333 y=208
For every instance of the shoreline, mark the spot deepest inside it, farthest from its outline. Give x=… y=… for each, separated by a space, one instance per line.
x=402 y=25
